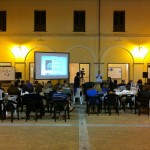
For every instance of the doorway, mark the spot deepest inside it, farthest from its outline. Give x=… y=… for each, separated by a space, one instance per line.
x=78 y=67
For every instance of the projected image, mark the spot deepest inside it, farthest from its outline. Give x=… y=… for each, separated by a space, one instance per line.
x=51 y=65
x=48 y=65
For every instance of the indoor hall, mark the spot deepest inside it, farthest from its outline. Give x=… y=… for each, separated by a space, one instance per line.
x=128 y=131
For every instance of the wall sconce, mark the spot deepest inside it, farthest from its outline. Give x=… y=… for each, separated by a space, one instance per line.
x=139 y=52
x=19 y=51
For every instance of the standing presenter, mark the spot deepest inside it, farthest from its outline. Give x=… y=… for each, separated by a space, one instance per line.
x=99 y=77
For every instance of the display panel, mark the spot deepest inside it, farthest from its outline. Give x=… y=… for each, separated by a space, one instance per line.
x=49 y=65
x=7 y=73
x=115 y=72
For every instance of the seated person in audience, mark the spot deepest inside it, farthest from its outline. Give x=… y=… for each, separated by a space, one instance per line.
x=93 y=92
x=56 y=86
x=47 y=88
x=13 y=90
x=130 y=83
x=35 y=96
x=60 y=94
x=38 y=89
x=2 y=93
x=65 y=84
x=143 y=95
x=29 y=85
x=139 y=83
x=23 y=86
x=145 y=91
x=104 y=87
x=122 y=85
x=115 y=84
x=98 y=88
x=110 y=84
x=17 y=83
x=128 y=87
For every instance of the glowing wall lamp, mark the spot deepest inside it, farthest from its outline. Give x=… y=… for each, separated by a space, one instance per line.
x=19 y=51
x=139 y=52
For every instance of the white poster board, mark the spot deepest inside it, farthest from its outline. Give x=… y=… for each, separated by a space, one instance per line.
x=7 y=73
x=115 y=72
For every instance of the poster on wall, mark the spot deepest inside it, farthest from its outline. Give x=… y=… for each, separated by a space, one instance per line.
x=148 y=72
x=115 y=72
x=7 y=73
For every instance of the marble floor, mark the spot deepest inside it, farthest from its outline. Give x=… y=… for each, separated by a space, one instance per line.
x=128 y=131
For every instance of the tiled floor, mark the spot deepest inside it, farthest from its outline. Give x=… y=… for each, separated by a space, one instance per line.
x=82 y=132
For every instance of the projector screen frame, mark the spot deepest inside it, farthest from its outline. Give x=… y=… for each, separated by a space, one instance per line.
x=65 y=57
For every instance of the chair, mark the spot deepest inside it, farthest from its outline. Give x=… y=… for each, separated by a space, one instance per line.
x=142 y=104
x=9 y=106
x=127 y=99
x=94 y=104
x=60 y=105
x=49 y=103
x=111 y=101
x=33 y=103
x=67 y=91
x=2 y=94
x=79 y=95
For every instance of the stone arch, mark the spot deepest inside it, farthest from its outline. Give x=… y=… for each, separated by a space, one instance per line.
x=117 y=54
x=79 y=52
x=39 y=47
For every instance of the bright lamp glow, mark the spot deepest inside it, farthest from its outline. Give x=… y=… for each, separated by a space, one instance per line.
x=19 y=51
x=139 y=52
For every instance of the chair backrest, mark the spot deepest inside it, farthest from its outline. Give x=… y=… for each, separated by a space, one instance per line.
x=112 y=99
x=59 y=101
x=93 y=100
x=129 y=96
x=144 y=99
x=67 y=90
x=12 y=97
x=8 y=105
x=32 y=99
x=59 y=96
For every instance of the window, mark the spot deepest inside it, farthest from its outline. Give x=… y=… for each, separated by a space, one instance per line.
x=79 y=21
x=40 y=21
x=2 y=21
x=119 y=21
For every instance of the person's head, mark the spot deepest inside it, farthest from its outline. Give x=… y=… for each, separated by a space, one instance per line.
x=97 y=86
x=128 y=87
x=91 y=85
x=139 y=81
x=78 y=74
x=31 y=90
x=65 y=81
x=115 y=81
x=59 y=89
x=109 y=79
x=146 y=87
x=22 y=82
x=123 y=81
x=38 y=88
